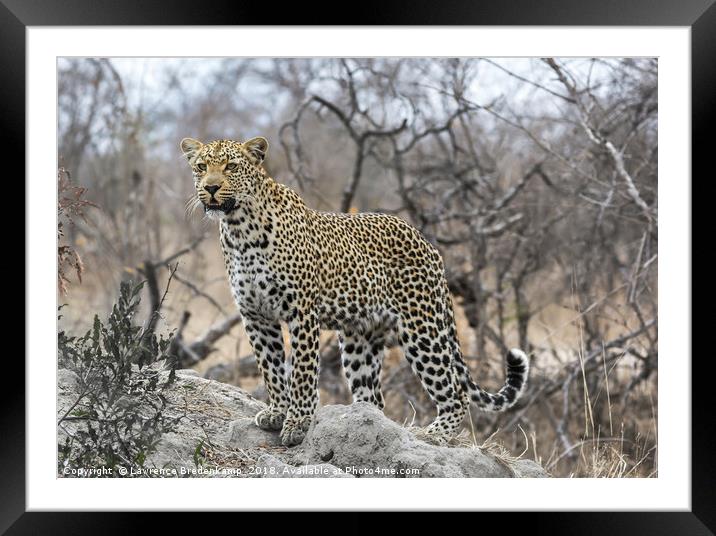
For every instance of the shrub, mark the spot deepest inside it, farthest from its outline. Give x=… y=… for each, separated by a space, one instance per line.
x=119 y=414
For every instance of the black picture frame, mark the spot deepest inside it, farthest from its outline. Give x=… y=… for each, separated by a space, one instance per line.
x=699 y=15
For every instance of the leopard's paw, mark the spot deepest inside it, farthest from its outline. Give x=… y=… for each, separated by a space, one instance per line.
x=294 y=430
x=270 y=418
x=432 y=434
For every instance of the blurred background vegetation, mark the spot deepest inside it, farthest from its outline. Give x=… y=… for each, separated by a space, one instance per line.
x=536 y=179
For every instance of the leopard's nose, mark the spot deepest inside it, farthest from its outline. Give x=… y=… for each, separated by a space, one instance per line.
x=212 y=189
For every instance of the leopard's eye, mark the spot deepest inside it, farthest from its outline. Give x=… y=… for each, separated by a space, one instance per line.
x=231 y=166
x=202 y=166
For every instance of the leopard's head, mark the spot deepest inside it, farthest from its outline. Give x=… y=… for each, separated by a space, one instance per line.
x=226 y=173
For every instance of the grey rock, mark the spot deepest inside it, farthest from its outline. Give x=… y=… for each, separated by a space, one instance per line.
x=244 y=434
x=360 y=440
x=67 y=381
x=343 y=441
x=188 y=372
x=67 y=389
x=528 y=469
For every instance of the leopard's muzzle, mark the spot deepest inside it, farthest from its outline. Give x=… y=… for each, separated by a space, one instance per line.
x=225 y=206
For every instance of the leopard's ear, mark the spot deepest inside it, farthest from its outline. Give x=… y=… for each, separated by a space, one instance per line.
x=190 y=147
x=257 y=148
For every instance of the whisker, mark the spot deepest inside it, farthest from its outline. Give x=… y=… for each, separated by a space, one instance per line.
x=191 y=206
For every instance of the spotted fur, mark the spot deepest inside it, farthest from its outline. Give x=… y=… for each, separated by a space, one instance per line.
x=371 y=277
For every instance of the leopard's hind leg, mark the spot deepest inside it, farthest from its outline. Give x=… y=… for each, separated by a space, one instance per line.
x=362 y=356
x=428 y=349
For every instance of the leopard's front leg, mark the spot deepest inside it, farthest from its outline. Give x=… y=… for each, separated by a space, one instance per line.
x=304 y=329
x=267 y=342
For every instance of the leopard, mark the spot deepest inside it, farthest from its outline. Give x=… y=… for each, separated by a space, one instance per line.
x=372 y=277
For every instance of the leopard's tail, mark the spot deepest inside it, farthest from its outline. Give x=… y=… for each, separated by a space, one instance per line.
x=517 y=371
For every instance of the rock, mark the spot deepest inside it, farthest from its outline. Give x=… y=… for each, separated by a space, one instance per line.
x=188 y=372
x=360 y=440
x=528 y=469
x=244 y=434
x=217 y=431
x=269 y=466
x=67 y=388
x=67 y=381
